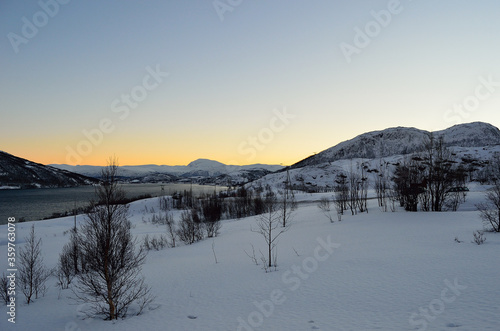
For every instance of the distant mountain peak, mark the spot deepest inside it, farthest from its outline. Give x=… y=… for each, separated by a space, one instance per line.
x=203 y=170
x=204 y=163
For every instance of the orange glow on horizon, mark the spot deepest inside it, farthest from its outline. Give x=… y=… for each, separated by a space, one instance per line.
x=131 y=159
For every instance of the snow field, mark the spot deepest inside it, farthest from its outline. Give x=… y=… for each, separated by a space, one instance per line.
x=375 y=271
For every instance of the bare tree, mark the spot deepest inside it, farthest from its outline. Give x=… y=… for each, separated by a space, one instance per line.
x=382 y=185
x=211 y=210
x=439 y=170
x=409 y=183
x=458 y=193
x=190 y=228
x=358 y=189
x=169 y=221
x=112 y=280
x=287 y=205
x=32 y=271
x=69 y=264
x=489 y=211
x=491 y=172
x=429 y=178
x=288 y=202
x=269 y=226
x=363 y=189
x=354 y=180
x=65 y=271
x=341 y=189
x=324 y=205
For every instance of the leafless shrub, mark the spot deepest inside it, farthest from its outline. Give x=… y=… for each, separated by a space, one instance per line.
x=171 y=229
x=478 y=237
x=154 y=242
x=266 y=264
x=489 y=211
x=252 y=256
x=190 y=228
x=324 y=206
x=70 y=263
x=65 y=272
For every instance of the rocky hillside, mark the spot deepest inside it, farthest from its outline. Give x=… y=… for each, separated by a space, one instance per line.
x=402 y=140
x=21 y=173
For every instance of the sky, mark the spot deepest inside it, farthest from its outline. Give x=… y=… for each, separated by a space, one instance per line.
x=237 y=81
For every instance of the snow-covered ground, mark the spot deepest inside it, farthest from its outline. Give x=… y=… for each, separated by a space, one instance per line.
x=323 y=175
x=375 y=271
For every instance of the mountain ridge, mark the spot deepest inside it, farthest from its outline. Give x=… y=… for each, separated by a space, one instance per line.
x=205 y=171
x=21 y=173
x=211 y=166
x=403 y=140
x=399 y=140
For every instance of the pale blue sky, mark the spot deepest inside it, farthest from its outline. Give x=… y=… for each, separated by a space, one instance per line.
x=228 y=78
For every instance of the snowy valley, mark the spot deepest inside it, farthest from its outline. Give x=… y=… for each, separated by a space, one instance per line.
x=380 y=269
x=372 y=271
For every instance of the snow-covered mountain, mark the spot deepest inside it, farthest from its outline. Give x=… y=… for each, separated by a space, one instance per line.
x=204 y=169
x=473 y=141
x=321 y=177
x=402 y=140
x=371 y=145
x=476 y=134
x=21 y=173
x=217 y=168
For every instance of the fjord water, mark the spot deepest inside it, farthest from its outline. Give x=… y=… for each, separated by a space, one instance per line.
x=36 y=204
